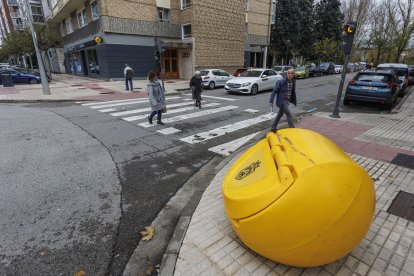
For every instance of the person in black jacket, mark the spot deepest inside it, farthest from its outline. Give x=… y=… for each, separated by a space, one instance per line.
x=195 y=84
x=285 y=92
x=128 y=73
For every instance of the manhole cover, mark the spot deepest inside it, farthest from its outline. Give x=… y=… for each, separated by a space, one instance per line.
x=403 y=206
x=404 y=160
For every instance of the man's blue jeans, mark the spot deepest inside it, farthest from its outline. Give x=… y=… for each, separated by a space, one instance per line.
x=283 y=110
x=126 y=84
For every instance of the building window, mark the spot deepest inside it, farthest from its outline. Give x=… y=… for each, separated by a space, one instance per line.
x=37 y=13
x=163 y=15
x=186 y=31
x=82 y=18
x=95 y=10
x=185 y=4
x=69 y=28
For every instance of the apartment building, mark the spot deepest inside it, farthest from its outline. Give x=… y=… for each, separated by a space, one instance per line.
x=12 y=15
x=100 y=36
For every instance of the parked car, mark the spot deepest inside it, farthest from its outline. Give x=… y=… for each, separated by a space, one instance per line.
x=302 y=72
x=25 y=70
x=18 y=77
x=338 y=68
x=400 y=69
x=373 y=86
x=253 y=81
x=314 y=71
x=282 y=70
x=327 y=68
x=411 y=74
x=239 y=71
x=213 y=78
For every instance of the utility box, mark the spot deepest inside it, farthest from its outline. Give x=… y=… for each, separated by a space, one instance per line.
x=7 y=80
x=298 y=199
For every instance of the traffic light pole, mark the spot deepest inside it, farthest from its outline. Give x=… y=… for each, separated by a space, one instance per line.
x=158 y=43
x=335 y=113
x=348 y=40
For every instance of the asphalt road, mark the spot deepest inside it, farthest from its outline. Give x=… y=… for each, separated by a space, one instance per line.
x=78 y=185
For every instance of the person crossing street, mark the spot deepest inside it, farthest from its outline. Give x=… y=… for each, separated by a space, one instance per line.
x=195 y=84
x=285 y=93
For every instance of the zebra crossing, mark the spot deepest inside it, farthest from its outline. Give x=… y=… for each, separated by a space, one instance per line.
x=181 y=109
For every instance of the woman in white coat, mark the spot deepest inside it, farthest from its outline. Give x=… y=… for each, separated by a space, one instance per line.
x=156 y=96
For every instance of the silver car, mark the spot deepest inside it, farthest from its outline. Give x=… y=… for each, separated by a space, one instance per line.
x=213 y=78
x=282 y=70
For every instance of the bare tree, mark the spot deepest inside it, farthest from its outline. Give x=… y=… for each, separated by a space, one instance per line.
x=380 y=34
x=360 y=11
x=401 y=17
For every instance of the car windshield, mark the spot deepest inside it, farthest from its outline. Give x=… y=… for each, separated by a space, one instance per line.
x=253 y=74
x=203 y=73
x=373 y=78
x=278 y=68
x=398 y=71
x=324 y=64
x=338 y=66
x=300 y=69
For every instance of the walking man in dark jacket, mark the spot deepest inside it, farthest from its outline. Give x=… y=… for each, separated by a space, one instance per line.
x=285 y=92
x=195 y=84
x=128 y=73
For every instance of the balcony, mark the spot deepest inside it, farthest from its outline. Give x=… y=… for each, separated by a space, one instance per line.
x=92 y=28
x=38 y=18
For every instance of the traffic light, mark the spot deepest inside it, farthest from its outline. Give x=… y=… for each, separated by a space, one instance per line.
x=157 y=55
x=350 y=28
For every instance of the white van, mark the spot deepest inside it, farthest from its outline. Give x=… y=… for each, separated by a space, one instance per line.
x=400 y=69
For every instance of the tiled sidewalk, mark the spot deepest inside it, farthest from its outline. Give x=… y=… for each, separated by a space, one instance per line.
x=65 y=87
x=211 y=247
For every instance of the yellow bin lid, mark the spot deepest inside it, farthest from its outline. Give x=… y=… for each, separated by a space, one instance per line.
x=269 y=168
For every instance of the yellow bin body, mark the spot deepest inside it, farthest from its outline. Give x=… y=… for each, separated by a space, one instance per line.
x=298 y=199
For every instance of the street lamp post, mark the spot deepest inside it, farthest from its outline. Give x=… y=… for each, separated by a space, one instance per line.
x=287 y=42
x=45 y=84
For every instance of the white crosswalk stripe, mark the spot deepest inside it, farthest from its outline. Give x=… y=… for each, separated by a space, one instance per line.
x=172 y=111
x=204 y=136
x=183 y=106
x=218 y=98
x=126 y=103
x=108 y=102
x=135 y=111
x=227 y=148
x=192 y=115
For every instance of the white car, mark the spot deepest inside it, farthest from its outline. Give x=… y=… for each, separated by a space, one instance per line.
x=253 y=81
x=213 y=78
x=338 y=69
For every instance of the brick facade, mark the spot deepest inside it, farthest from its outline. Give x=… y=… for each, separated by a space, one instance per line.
x=224 y=34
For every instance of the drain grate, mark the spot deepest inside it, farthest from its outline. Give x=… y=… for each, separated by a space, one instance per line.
x=403 y=206
x=403 y=160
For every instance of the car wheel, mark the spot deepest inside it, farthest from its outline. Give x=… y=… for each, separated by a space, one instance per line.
x=229 y=92
x=346 y=101
x=254 y=89
x=211 y=85
x=33 y=81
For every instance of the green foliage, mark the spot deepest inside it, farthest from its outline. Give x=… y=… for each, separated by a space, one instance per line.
x=21 y=42
x=328 y=20
x=286 y=32
x=301 y=26
x=327 y=49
